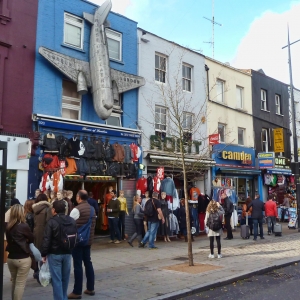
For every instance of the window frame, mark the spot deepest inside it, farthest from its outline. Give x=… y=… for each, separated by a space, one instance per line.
x=243 y=131
x=264 y=106
x=73 y=23
x=266 y=142
x=71 y=106
x=222 y=95
x=164 y=71
x=186 y=114
x=241 y=100
x=185 y=80
x=220 y=135
x=278 y=105
x=160 y=124
x=112 y=34
x=115 y=115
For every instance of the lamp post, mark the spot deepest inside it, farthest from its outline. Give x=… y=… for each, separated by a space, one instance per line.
x=296 y=160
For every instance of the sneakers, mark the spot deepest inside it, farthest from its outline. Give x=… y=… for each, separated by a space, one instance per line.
x=211 y=256
x=111 y=241
x=117 y=242
x=219 y=255
x=90 y=293
x=141 y=245
x=153 y=248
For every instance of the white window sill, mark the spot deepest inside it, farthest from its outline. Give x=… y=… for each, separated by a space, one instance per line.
x=187 y=91
x=73 y=47
x=265 y=110
x=280 y=115
x=241 y=109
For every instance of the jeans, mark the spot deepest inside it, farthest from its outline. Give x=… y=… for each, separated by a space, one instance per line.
x=83 y=254
x=114 y=228
x=122 y=224
x=19 y=269
x=151 y=234
x=195 y=218
x=271 y=221
x=228 y=226
x=257 y=222
x=139 y=223
x=60 y=267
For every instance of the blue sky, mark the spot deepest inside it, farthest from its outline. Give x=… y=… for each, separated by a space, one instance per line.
x=251 y=35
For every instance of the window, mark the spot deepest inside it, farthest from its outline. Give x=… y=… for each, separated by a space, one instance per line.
x=264 y=140
x=277 y=105
x=220 y=90
x=160 y=121
x=160 y=68
x=239 y=97
x=114 y=120
x=263 y=97
x=114 y=43
x=187 y=121
x=186 y=78
x=241 y=132
x=221 y=131
x=71 y=101
x=73 y=31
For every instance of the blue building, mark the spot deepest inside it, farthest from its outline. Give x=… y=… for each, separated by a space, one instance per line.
x=62 y=108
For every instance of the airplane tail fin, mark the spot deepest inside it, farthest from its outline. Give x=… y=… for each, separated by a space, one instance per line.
x=104 y=10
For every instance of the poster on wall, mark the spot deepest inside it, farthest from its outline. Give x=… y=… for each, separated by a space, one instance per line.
x=278 y=140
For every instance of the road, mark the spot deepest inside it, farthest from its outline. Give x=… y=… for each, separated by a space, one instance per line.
x=282 y=283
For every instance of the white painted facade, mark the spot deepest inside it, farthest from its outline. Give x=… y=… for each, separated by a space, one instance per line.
x=150 y=94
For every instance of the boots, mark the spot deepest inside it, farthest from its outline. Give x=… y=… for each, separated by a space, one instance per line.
x=193 y=239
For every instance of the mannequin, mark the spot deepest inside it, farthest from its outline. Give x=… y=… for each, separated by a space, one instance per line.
x=108 y=195
x=165 y=228
x=143 y=206
x=216 y=182
x=107 y=198
x=122 y=213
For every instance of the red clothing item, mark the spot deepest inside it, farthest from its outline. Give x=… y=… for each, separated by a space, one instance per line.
x=134 y=151
x=194 y=193
x=142 y=185
x=156 y=184
x=271 y=209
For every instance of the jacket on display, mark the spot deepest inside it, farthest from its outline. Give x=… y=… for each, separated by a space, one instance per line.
x=82 y=166
x=134 y=150
x=63 y=146
x=71 y=166
x=168 y=186
x=113 y=169
x=74 y=144
x=50 y=144
x=203 y=201
x=96 y=167
x=150 y=184
x=99 y=149
x=45 y=182
x=56 y=182
x=119 y=152
x=127 y=154
x=142 y=185
x=156 y=184
x=109 y=151
x=50 y=162
x=90 y=148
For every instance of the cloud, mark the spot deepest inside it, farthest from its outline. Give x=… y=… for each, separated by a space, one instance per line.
x=118 y=6
x=261 y=47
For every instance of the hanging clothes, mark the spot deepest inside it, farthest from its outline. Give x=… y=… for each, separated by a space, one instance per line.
x=194 y=193
x=56 y=182
x=134 y=149
x=150 y=185
x=141 y=185
x=156 y=184
x=127 y=154
x=45 y=182
x=168 y=186
x=174 y=225
x=74 y=145
x=71 y=166
x=119 y=153
x=99 y=149
x=50 y=144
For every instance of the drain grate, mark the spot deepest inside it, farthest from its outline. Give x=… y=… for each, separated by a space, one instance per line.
x=181 y=258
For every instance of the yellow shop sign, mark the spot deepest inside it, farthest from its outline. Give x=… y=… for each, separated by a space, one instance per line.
x=236 y=155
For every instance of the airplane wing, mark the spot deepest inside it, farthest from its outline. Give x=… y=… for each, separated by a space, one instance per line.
x=69 y=66
x=125 y=81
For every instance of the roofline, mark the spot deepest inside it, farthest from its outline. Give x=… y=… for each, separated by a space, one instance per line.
x=251 y=70
x=139 y=28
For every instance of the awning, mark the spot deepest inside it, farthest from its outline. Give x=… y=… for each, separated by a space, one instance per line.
x=279 y=171
x=160 y=159
x=239 y=171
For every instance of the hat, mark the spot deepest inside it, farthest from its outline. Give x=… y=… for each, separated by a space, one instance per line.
x=14 y=201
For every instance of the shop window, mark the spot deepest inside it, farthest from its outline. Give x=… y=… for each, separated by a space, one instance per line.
x=241 y=133
x=73 y=31
x=160 y=121
x=71 y=101
x=278 y=104
x=160 y=68
x=264 y=140
x=114 y=43
x=11 y=184
x=221 y=132
x=186 y=78
x=220 y=90
x=114 y=120
x=263 y=97
x=239 y=97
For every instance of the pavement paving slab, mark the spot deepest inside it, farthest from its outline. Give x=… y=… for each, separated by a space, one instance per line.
x=123 y=272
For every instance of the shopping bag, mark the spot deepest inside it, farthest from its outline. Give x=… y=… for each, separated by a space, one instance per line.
x=45 y=276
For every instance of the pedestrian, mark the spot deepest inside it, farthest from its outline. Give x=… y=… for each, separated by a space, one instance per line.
x=52 y=197
x=152 y=210
x=214 y=214
x=113 y=210
x=244 y=212
x=93 y=202
x=257 y=216
x=122 y=213
x=271 y=213
x=69 y=201
x=182 y=220
x=228 y=209
x=81 y=214
x=28 y=212
x=59 y=257
x=137 y=219
x=19 y=236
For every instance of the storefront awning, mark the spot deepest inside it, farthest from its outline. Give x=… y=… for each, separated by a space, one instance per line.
x=239 y=171
x=161 y=159
x=279 y=171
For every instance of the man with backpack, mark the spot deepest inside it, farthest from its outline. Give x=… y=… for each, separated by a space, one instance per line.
x=60 y=237
x=228 y=208
x=85 y=218
x=153 y=213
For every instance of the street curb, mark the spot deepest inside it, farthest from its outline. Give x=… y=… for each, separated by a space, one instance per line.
x=201 y=288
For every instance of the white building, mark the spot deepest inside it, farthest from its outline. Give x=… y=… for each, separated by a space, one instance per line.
x=174 y=75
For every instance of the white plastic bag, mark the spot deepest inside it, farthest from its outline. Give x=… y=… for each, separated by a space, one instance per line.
x=45 y=276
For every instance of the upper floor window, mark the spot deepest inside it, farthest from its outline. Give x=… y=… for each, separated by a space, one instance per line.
x=241 y=133
x=278 y=104
x=263 y=97
x=264 y=140
x=73 y=31
x=160 y=68
x=220 y=90
x=114 y=120
x=160 y=119
x=221 y=132
x=186 y=78
x=114 y=43
x=71 y=101
x=239 y=97
x=187 y=121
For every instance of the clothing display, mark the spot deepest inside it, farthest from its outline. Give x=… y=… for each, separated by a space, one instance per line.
x=164 y=229
x=156 y=184
x=194 y=193
x=134 y=151
x=174 y=225
x=230 y=193
x=168 y=186
x=50 y=144
x=141 y=185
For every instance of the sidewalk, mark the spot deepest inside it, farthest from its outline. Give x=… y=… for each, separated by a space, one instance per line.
x=123 y=272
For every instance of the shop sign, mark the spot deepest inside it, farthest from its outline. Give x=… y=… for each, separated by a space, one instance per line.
x=214 y=139
x=160 y=173
x=278 y=140
x=24 y=150
x=266 y=160
x=282 y=162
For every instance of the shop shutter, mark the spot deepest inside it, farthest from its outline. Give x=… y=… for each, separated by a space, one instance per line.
x=129 y=188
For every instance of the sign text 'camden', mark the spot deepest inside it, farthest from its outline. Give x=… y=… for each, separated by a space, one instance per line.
x=236 y=155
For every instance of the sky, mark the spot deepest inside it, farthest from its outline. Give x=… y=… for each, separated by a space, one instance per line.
x=252 y=34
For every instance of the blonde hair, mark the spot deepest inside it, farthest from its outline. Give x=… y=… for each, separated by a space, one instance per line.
x=135 y=202
x=16 y=216
x=212 y=207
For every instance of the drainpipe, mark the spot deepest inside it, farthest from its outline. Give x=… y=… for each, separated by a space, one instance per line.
x=207 y=80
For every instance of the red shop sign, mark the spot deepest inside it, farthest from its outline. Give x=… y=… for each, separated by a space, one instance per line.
x=214 y=139
x=160 y=173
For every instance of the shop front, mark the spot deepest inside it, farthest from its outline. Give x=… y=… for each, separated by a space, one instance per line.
x=235 y=172
x=78 y=155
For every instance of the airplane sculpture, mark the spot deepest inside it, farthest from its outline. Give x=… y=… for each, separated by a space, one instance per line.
x=105 y=83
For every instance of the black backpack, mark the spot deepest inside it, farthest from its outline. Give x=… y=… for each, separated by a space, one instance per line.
x=68 y=232
x=214 y=221
x=149 y=208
